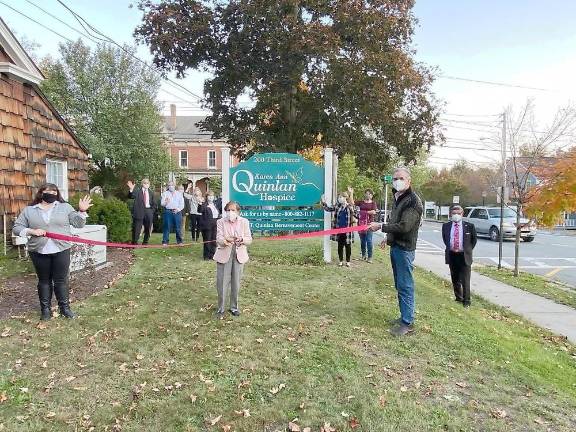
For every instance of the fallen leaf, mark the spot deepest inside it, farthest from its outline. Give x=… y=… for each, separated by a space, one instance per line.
x=6 y=332
x=226 y=428
x=382 y=400
x=307 y=429
x=70 y=378
x=403 y=389
x=275 y=390
x=41 y=326
x=259 y=340
x=3 y=397
x=50 y=415
x=499 y=413
x=327 y=428
x=539 y=421
x=353 y=422
x=451 y=398
x=243 y=413
x=462 y=384
x=293 y=427
x=24 y=389
x=215 y=420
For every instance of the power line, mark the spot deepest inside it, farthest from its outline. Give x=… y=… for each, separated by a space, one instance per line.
x=79 y=18
x=473 y=115
x=494 y=83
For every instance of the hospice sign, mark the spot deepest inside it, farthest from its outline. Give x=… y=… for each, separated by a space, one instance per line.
x=276 y=179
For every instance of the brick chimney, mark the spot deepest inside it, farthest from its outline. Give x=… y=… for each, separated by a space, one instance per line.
x=173 y=116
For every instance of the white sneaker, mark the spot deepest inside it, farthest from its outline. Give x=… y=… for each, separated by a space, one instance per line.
x=347 y=264
x=340 y=264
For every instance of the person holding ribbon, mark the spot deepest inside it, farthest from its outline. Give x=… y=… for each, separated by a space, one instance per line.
x=232 y=238
x=460 y=239
x=48 y=212
x=367 y=210
x=208 y=220
x=343 y=217
x=173 y=203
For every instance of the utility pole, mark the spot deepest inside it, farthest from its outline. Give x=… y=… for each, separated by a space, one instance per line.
x=502 y=191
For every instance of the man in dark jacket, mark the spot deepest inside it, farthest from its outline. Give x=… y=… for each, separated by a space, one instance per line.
x=460 y=239
x=142 y=210
x=402 y=235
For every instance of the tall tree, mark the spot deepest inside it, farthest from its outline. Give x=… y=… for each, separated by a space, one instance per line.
x=442 y=187
x=108 y=97
x=338 y=73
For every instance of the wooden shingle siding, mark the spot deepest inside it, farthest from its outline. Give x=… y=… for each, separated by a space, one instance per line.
x=30 y=132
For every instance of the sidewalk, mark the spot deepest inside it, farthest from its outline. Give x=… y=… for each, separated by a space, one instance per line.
x=557 y=318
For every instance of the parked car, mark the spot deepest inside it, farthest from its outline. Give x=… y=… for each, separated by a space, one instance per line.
x=487 y=222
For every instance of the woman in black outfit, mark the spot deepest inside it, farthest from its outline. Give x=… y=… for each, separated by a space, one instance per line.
x=209 y=216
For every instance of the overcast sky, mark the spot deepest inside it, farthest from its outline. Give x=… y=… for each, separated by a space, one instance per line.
x=523 y=43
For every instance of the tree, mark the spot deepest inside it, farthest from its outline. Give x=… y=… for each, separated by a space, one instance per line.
x=349 y=175
x=442 y=187
x=334 y=73
x=108 y=97
x=529 y=144
x=557 y=191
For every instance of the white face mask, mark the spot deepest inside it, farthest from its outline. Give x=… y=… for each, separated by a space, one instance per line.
x=232 y=215
x=456 y=217
x=342 y=200
x=400 y=185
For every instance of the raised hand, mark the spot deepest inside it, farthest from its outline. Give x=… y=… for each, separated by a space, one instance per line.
x=85 y=203
x=130 y=184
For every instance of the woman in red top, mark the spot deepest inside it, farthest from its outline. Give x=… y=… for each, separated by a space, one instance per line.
x=368 y=211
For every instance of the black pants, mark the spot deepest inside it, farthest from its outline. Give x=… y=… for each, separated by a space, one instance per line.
x=342 y=243
x=194 y=226
x=147 y=221
x=52 y=271
x=209 y=235
x=460 y=273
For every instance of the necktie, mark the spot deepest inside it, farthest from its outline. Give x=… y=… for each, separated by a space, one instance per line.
x=456 y=245
x=146 y=198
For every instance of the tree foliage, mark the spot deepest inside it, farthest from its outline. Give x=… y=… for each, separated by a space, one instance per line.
x=108 y=97
x=557 y=191
x=334 y=73
x=442 y=187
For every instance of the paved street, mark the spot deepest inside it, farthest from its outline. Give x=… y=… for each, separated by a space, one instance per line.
x=551 y=255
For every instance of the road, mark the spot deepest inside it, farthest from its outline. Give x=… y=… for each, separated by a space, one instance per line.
x=550 y=254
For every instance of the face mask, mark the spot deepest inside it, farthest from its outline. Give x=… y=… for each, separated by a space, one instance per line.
x=232 y=215
x=368 y=197
x=210 y=199
x=342 y=200
x=456 y=217
x=49 y=198
x=400 y=185
x=171 y=188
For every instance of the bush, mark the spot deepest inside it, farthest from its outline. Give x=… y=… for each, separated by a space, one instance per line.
x=113 y=213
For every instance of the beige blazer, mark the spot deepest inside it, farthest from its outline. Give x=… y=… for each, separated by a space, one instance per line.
x=225 y=228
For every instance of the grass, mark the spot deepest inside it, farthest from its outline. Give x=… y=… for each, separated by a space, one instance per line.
x=311 y=346
x=535 y=284
x=11 y=265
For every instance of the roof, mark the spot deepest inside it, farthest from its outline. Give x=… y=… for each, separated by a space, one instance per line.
x=186 y=128
x=21 y=64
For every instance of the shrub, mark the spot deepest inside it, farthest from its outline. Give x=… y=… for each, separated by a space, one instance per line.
x=111 y=212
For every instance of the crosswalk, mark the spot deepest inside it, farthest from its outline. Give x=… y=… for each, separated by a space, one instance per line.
x=428 y=248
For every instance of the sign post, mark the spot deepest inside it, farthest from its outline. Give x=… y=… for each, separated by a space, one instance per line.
x=328 y=191
x=387 y=179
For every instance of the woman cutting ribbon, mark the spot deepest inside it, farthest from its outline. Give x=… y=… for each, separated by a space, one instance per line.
x=232 y=236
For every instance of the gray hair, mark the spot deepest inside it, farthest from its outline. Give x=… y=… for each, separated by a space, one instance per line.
x=405 y=170
x=456 y=207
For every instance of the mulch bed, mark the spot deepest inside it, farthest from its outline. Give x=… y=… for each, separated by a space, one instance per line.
x=19 y=295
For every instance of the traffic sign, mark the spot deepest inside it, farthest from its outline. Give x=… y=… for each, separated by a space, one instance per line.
x=387 y=178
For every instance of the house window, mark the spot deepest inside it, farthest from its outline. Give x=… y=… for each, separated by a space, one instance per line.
x=57 y=173
x=183 y=158
x=211 y=158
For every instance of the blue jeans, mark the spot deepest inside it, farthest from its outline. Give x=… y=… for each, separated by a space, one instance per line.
x=366 y=243
x=171 y=219
x=402 y=266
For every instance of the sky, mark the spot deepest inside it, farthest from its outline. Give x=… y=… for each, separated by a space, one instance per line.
x=522 y=43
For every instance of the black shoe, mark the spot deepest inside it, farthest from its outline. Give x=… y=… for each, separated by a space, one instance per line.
x=235 y=312
x=458 y=300
x=219 y=315
x=66 y=312
x=45 y=314
x=466 y=305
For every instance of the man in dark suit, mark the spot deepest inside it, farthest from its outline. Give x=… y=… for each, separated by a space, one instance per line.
x=142 y=210
x=460 y=239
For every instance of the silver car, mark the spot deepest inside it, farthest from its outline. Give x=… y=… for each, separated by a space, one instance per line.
x=487 y=222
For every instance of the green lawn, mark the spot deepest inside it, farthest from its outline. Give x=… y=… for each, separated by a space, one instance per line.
x=311 y=347
x=535 y=284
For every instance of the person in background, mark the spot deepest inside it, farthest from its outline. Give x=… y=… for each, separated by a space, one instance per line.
x=366 y=215
x=208 y=221
x=195 y=199
x=48 y=212
x=343 y=218
x=232 y=236
x=460 y=239
x=185 y=211
x=173 y=203
x=142 y=209
x=402 y=236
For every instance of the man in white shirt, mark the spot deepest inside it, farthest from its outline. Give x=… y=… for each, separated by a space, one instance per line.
x=460 y=239
x=173 y=203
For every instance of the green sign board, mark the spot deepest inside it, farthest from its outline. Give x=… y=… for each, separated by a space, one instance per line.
x=269 y=225
x=276 y=179
x=284 y=214
x=387 y=178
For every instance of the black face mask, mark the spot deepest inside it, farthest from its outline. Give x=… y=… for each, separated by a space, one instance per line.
x=49 y=198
